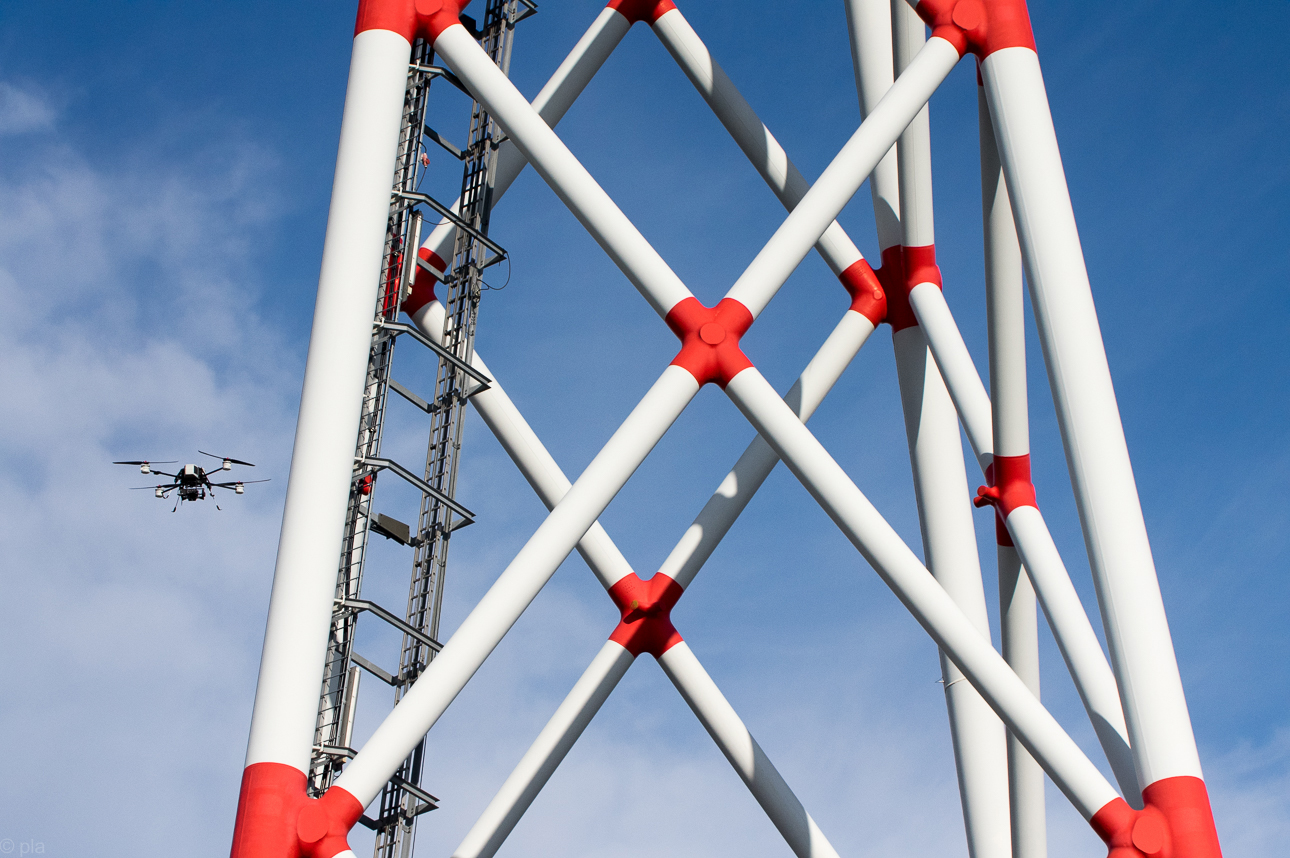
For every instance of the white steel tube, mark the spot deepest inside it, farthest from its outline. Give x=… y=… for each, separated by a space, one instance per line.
x=748 y=131
x=842 y=178
x=1115 y=534
x=949 y=546
x=1010 y=430
x=526 y=450
x=745 y=755
x=1019 y=638
x=555 y=99
x=1077 y=641
x=546 y=753
x=304 y=579
x=941 y=492
x=869 y=25
x=956 y=367
x=518 y=584
x=561 y=170
x=743 y=480
x=957 y=636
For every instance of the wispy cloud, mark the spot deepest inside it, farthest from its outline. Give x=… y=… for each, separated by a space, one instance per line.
x=23 y=110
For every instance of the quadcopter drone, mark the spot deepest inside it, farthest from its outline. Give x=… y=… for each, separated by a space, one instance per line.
x=193 y=481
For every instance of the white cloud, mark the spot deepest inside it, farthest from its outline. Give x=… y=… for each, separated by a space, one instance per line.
x=23 y=110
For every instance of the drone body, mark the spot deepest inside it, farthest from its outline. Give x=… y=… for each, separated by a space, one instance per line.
x=192 y=482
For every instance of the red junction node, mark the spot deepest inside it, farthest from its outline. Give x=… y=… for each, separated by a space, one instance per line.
x=980 y=27
x=902 y=269
x=867 y=295
x=1009 y=487
x=648 y=11
x=409 y=18
x=423 y=284
x=710 y=339
x=1175 y=822
x=646 y=607
x=276 y=819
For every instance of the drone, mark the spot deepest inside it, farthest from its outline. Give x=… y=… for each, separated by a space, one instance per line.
x=193 y=481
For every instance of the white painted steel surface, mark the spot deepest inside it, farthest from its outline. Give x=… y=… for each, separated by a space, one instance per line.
x=950 y=551
x=561 y=170
x=957 y=636
x=956 y=368
x=322 y=459
x=1076 y=640
x=546 y=753
x=518 y=584
x=843 y=177
x=745 y=755
x=869 y=26
x=748 y=131
x=941 y=490
x=1010 y=432
x=563 y=88
x=1107 y=497
x=1019 y=633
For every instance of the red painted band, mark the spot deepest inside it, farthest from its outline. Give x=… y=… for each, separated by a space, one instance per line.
x=409 y=18
x=276 y=819
x=1175 y=822
x=867 y=296
x=648 y=11
x=710 y=339
x=423 y=284
x=1009 y=487
x=980 y=27
x=646 y=607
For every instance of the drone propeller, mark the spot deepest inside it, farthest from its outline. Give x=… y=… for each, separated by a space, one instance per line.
x=141 y=462
x=226 y=459
x=233 y=483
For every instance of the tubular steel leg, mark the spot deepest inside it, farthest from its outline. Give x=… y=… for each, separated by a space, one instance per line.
x=1019 y=626
x=940 y=483
x=304 y=581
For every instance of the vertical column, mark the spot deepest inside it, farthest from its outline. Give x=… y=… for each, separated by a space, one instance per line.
x=304 y=581
x=1107 y=497
x=1019 y=627
x=901 y=188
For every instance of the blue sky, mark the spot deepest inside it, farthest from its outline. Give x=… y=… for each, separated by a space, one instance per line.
x=164 y=177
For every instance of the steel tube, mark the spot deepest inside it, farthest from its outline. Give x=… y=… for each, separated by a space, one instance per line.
x=743 y=480
x=561 y=170
x=563 y=88
x=745 y=755
x=518 y=584
x=546 y=753
x=322 y=460
x=747 y=129
x=1115 y=534
x=869 y=26
x=956 y=367
x=941 y=490
x=957 y=636
x=1010 y=433
x=842 y=178
x=1076 y=640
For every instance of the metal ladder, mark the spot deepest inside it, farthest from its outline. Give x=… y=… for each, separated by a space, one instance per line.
x=403 y=800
